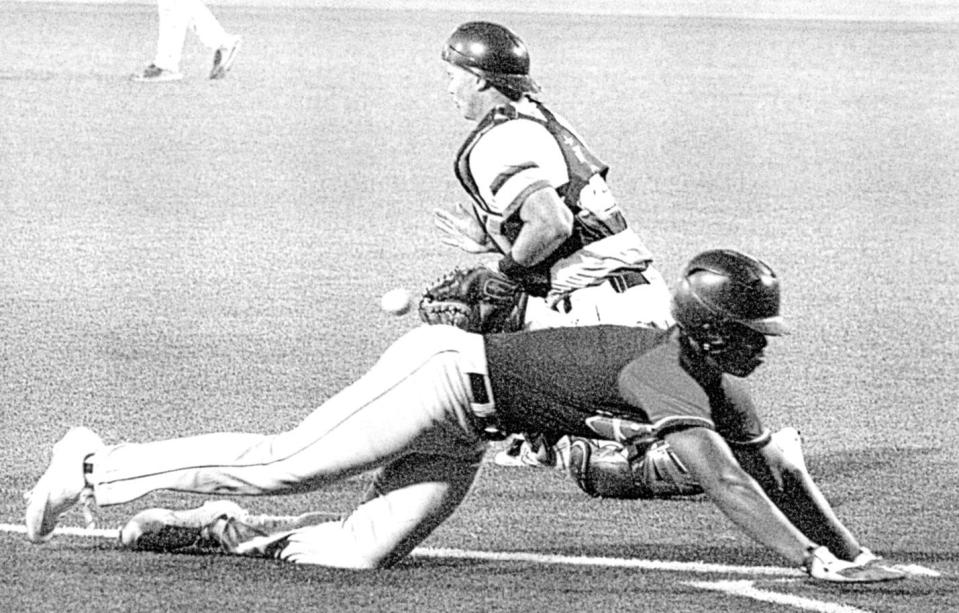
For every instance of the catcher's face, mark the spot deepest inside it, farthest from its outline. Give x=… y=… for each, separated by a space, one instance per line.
x=466 y=90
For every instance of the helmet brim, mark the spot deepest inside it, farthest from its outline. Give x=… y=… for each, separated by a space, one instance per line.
x=770 y=326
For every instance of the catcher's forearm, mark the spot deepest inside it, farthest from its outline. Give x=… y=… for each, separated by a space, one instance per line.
x=546 y=223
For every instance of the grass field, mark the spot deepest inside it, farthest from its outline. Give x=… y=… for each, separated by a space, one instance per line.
x=202 y=255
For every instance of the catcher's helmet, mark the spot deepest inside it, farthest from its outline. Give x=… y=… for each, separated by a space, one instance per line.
x=495 y=53
x=728 y=302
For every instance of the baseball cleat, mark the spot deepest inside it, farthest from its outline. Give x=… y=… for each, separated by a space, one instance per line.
x=224 y=57
x=520 y=453
x=167 y=530
x=155 y=74
x=218 y=525
x=61 y=485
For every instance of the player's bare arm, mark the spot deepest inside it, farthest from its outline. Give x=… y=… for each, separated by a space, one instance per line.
x=547 y=222
x=737 y=495
x=460 y=228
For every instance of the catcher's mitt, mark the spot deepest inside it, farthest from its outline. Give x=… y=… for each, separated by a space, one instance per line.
x=475 y=299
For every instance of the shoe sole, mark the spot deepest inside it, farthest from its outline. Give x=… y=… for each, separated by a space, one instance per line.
x=42 y=514
x=167 y=529
x=166 y=79
x=226 y=63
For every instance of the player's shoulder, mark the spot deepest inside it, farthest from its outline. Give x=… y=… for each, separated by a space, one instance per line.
x=653 y=350
x=509 y=129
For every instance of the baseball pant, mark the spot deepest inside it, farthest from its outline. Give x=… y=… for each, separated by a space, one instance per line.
x=641 y=304
x=412 y=415
x=174 y=17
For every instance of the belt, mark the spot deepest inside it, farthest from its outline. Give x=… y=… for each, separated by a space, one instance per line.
x=619 y=280
x=622 y=280
x=484 y=409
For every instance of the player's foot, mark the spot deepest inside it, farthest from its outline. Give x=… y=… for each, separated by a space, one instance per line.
x=167 y=530
x=218 y=525
x=520 y=453
x=224 y=57
x=61 y=485
x=866 y=556
x=155 y=74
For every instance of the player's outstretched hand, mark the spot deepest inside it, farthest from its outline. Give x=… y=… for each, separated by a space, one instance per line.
x=462 y=230
x=823 y=565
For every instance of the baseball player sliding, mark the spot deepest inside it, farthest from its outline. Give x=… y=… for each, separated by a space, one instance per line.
x=425 y=412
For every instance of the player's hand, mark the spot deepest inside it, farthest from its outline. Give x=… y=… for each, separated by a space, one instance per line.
x=821 y=564
x=462 y=230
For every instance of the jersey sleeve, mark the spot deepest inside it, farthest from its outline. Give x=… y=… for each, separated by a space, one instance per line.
x=673 y=398
x=667 y=394
x=514 y=160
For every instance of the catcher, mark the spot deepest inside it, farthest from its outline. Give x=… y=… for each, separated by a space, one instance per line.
x=541 y=202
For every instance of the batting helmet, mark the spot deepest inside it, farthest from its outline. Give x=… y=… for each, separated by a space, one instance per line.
x=723 y=286
x=493 y=52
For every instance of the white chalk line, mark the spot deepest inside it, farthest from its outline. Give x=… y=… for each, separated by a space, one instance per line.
x=747 y=589
x=540 y=558
x=511 y=556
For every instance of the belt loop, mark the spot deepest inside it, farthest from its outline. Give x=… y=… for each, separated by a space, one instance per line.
x=483 y=407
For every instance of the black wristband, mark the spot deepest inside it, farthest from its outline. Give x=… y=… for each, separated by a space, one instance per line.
x=534 y=282
x=512 y=269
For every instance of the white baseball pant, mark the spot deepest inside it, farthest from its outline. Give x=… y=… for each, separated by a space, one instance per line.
x=645 y=304
x=174 y=17
x=413 y=414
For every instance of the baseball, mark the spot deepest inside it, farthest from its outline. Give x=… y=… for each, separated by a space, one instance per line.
x=396 y=301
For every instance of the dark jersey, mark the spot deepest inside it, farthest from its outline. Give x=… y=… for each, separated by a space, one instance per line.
x=551 y=380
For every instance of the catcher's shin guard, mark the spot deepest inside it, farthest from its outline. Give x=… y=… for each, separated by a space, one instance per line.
x=780 y=468
x=609 y=470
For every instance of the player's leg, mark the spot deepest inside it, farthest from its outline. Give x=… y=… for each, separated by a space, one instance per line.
x=204 y=24
x=172 y=21
x=417 y=394
x=212 y=35
x=408 y=500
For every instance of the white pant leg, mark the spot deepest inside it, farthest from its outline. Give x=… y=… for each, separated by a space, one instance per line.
x=539 y=315
x=410 y=498
x=205 y=25
x=640 y=305
x=172 y=21
x=416 y=398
